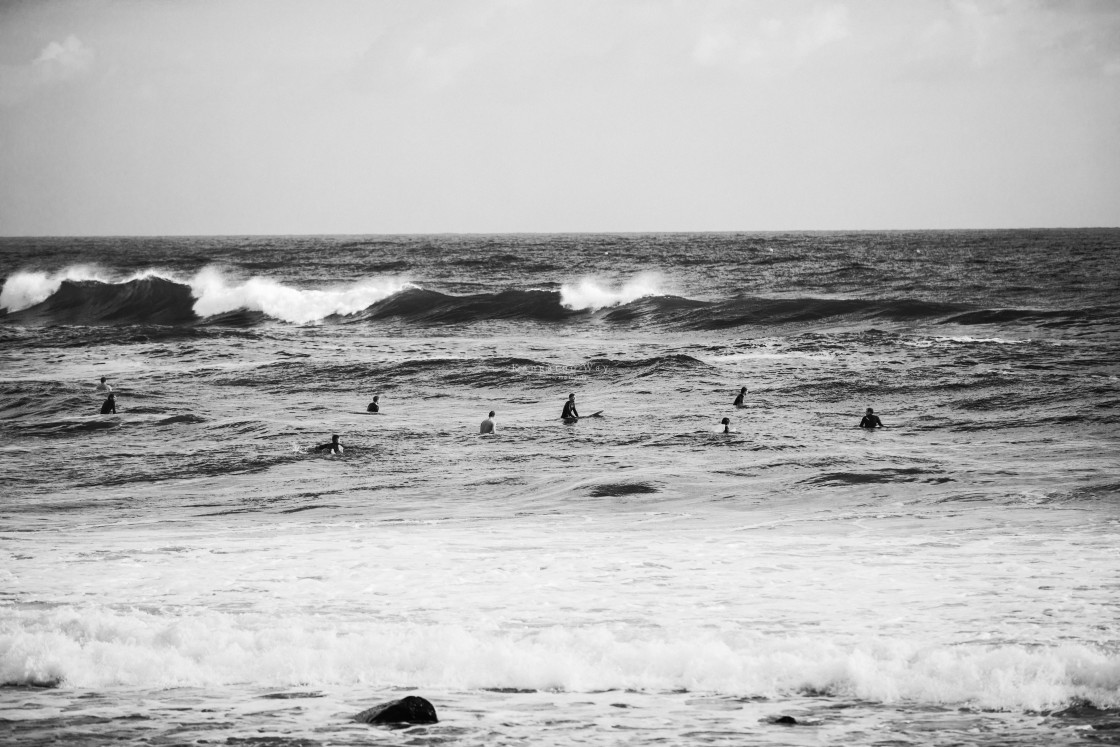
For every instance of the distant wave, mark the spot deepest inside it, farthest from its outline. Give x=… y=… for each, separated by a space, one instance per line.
x=590 y=295
x=88 y=296
x=216 y=295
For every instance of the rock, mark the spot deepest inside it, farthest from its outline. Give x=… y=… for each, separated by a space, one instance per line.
x=407 y=710
x=786 y=721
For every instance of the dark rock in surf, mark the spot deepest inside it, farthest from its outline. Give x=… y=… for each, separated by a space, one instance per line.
x=407 y=710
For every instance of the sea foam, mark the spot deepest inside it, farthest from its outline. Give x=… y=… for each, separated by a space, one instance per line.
x=589 y=294
x=217 y=295
x=97 y=647
x=26 y=288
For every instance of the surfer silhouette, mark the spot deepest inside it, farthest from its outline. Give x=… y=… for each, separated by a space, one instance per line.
x=870 y=420
x=373 y=406
x=739 y=400
x=726 y=422
x=110 y=405
x=334 y=446
x=103 y=386
x=487 y=425
x=570 y=415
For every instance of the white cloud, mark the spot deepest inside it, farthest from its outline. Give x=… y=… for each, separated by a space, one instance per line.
x=57 y=63
x=740 y=40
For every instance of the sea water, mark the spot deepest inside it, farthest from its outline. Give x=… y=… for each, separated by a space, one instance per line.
x=190 y=570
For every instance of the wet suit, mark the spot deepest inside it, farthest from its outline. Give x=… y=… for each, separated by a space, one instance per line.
x=373 y=407
x=334 y=446
x=739 y=400
x=569 y=410
x=870 y=421
x=110 y=406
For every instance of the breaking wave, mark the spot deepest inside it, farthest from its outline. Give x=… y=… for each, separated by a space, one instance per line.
x=88 y=296
x=95 y=647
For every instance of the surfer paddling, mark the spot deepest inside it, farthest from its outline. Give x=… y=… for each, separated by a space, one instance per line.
x=870 y=420
x=739 y=400
x=373 y=406
x=334 y=446
x=487 y=425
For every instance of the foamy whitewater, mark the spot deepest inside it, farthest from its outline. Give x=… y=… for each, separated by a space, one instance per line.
x=190 y=570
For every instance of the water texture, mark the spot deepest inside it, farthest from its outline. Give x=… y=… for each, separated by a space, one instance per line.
x=190 y=570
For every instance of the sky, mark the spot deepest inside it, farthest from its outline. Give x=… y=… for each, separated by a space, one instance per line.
x=162 y=117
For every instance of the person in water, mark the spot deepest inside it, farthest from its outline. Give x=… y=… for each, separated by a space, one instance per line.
x=870 y=420
x=726 y=422
x=373 y=406
x=569 y=412
x=103 y=386
x=334 y=446
x=488 y=424
x=739 y=400
x=110 y=405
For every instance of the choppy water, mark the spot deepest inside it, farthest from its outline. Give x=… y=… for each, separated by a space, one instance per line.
x=188 y=569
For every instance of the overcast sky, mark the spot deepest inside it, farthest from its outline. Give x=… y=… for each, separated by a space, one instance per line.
x=234 y=116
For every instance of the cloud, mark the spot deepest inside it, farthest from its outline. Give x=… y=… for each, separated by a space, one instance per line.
x=742 y=40
x=57 y=63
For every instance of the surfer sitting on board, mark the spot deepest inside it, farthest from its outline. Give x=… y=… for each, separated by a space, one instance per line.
x=488 y=424
x=569 y=415
x=373 y=406
x=870 y=420
x=334 y=446
x=110 y=405
x=739 y=400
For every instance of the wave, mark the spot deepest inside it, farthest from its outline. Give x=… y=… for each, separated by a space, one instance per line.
x=590 y=295
x=88 y=296
x=98 y=647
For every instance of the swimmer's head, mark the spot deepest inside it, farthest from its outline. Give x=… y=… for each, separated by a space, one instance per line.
x=869 y=411
x=725 y=421
x=334 y=437
x=743 y=390
x=492 y=413
x=102 y=379
x=376 y=397
x=572 y=396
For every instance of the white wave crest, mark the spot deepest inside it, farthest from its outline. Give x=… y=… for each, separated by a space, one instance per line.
x=590 y=294
x=93 y=646
x=216 y=295
x=27 y=288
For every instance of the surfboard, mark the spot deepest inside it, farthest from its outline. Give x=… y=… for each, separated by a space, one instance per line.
x=598 y=414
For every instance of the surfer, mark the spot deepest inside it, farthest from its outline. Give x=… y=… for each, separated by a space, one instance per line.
x=334 y=446
x=739 y=400
x=110 y=405
x=103 y=386
x=870 y=420
x=373 y=406
x=570 y=415
x=488 y=424
x=726 y=423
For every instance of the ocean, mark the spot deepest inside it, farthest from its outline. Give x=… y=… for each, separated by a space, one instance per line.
x=190 y=570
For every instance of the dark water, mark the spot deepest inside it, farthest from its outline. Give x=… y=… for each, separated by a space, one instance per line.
x=638 y=577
